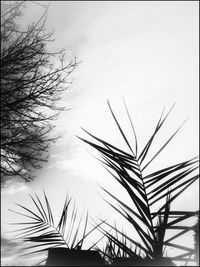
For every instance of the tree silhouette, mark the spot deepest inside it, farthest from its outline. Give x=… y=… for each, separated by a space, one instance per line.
x=32 y=80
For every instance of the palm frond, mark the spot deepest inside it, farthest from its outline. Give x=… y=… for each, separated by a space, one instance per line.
x=120 y=129
x=117 y=246
x=145 y=150
x=42 y=231
x=146 y=191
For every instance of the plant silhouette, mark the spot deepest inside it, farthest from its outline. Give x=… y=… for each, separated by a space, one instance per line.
x=146 y=191
x=196 y=240
x=60 y=239
x=151 y=223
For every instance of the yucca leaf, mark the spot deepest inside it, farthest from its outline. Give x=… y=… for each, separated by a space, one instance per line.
x=147 y=146
x=134 y=133
x=128 y=238
x=122 y=246
x=181 y=257
x=142 y=219
x=40 y=262
x=187 y=183
x=100 y=149
x=123 y=156
x=179 y=247
x=62 y=223
x=42 y=210
x=158 y=126
x=177 y=194
x=76 y=232
x=180 y=227
x=129 y=163
x=50 y=233
x=165 y=144
x=95 y=244
x=41 y=250
x=27 y=216
x=129 y=156
x=139 y=230
x=142 y=207
x=80 y=243
x=143 y=235
x=113 y=160
x=175 y=213
x=167 y=171
x=123 y=175
x=143 y=210
x=121 y=170
x=32 y=230
x=160 y=231
x=157 y=179
x=118 y=243
x=71 y=226
x=112 y=165
x=184 y=216
x=176 y=236
x=51 y=237
x=23 y=223
x=42 y=213
x=47 y=245
x=135 y=184
x=47 y=239
x=103 y=253
x=22 y=231
x=88 y=233
x=120 y=129
x=50 y=215
x=170 y=182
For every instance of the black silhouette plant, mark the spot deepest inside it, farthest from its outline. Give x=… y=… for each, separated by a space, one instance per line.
x=147 y=191
x=196 y=241
x=117 y=247
x=44 y=233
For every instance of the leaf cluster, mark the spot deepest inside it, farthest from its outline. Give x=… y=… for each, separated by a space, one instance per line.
x=151 y=194
x=41 y=231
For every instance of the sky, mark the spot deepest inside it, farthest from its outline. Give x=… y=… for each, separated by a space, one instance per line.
x=144 y=51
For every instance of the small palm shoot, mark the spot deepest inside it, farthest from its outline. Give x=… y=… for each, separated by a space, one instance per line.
x=147 y=191
x=117 y=246
x=42 y=232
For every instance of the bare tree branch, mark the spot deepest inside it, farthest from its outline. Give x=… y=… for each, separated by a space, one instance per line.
x=31 y=86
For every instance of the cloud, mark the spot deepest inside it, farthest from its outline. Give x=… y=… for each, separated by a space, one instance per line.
x=64 y=164
x=9 y=251
x=11 y=188
x=11 y=254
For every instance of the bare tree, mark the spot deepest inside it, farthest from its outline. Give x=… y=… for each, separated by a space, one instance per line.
x=32 y=82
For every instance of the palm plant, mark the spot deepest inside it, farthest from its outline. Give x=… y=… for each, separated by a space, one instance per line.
x=42 y=233
x=147 y=191
x=113 y=250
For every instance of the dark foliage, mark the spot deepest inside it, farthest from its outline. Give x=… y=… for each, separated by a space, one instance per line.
x=32 y=82
x=41 y=232
x=146 y=190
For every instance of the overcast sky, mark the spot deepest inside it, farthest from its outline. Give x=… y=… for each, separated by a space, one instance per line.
x=145 y=51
